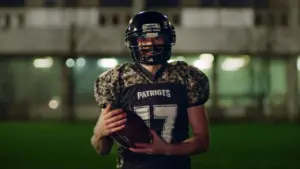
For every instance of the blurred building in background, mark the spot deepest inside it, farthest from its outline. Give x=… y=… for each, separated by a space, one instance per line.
x=51 y=52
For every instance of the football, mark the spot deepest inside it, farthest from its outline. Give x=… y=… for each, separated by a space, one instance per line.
x=135 y=131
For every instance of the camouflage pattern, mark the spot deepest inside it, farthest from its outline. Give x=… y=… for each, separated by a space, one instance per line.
x=197 y=86
x=108 y=84
x=106 y=87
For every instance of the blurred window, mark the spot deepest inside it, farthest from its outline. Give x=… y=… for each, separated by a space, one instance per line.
x=70 y=3
x=234 y=75
x=208 y=3
x=160 y=3
x=50 y=3
x=235 y=3
x=12 y=3
x=261 y=3
x=115 y=3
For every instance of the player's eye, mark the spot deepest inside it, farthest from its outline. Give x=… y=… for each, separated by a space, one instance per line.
x=158 y=40
x=150 y=41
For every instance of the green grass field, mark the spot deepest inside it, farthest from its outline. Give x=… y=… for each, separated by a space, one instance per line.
x=64 y=146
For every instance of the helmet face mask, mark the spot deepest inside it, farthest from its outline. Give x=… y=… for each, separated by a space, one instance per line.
x=150 y=37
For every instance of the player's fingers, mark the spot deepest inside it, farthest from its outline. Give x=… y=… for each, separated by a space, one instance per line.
x=115 y=112
x=107 y=109
x=153 y=133
x=117 y=128
x=115 y=118
x=112 y=113
x=116 y=124
x=141 y=150
x=141 y=145
x=109 y=130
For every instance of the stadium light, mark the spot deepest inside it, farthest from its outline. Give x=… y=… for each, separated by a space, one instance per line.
x=70 y=62
x=171 y=60
x=203 y=64
x=43 y=62
x=207 y=57
x=180 y=58
x=233 y=64
x=80 y=62
x=107 y=63
x=298 y=63
x=53 y=104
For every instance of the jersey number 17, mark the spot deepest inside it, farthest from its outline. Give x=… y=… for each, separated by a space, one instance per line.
x=167 y=112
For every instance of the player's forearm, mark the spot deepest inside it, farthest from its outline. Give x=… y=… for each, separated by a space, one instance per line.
x=194 y=145
x=102 y=145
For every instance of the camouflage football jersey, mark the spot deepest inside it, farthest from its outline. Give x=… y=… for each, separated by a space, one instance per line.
x=161 y=101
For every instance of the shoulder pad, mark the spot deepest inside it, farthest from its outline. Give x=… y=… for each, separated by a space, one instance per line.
x=179 y=63
x=194 y=71
x=113 y=73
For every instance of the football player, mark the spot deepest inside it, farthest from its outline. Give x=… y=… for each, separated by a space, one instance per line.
x=169 y=97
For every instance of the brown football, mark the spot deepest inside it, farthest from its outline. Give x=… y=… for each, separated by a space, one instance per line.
x=136 y=131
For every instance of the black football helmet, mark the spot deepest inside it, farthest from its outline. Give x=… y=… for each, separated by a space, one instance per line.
x=150 y=37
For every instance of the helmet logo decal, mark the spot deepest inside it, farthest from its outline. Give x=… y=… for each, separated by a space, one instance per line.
x=151 y=27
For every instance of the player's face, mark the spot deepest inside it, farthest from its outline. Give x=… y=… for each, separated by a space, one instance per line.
x=147 y=44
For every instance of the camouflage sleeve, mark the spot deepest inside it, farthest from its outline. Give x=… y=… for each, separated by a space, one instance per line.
x=105 y=88
x=197 y=87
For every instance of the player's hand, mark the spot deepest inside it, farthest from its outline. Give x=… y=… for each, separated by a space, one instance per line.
x=110 y=121
x=158 y=146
